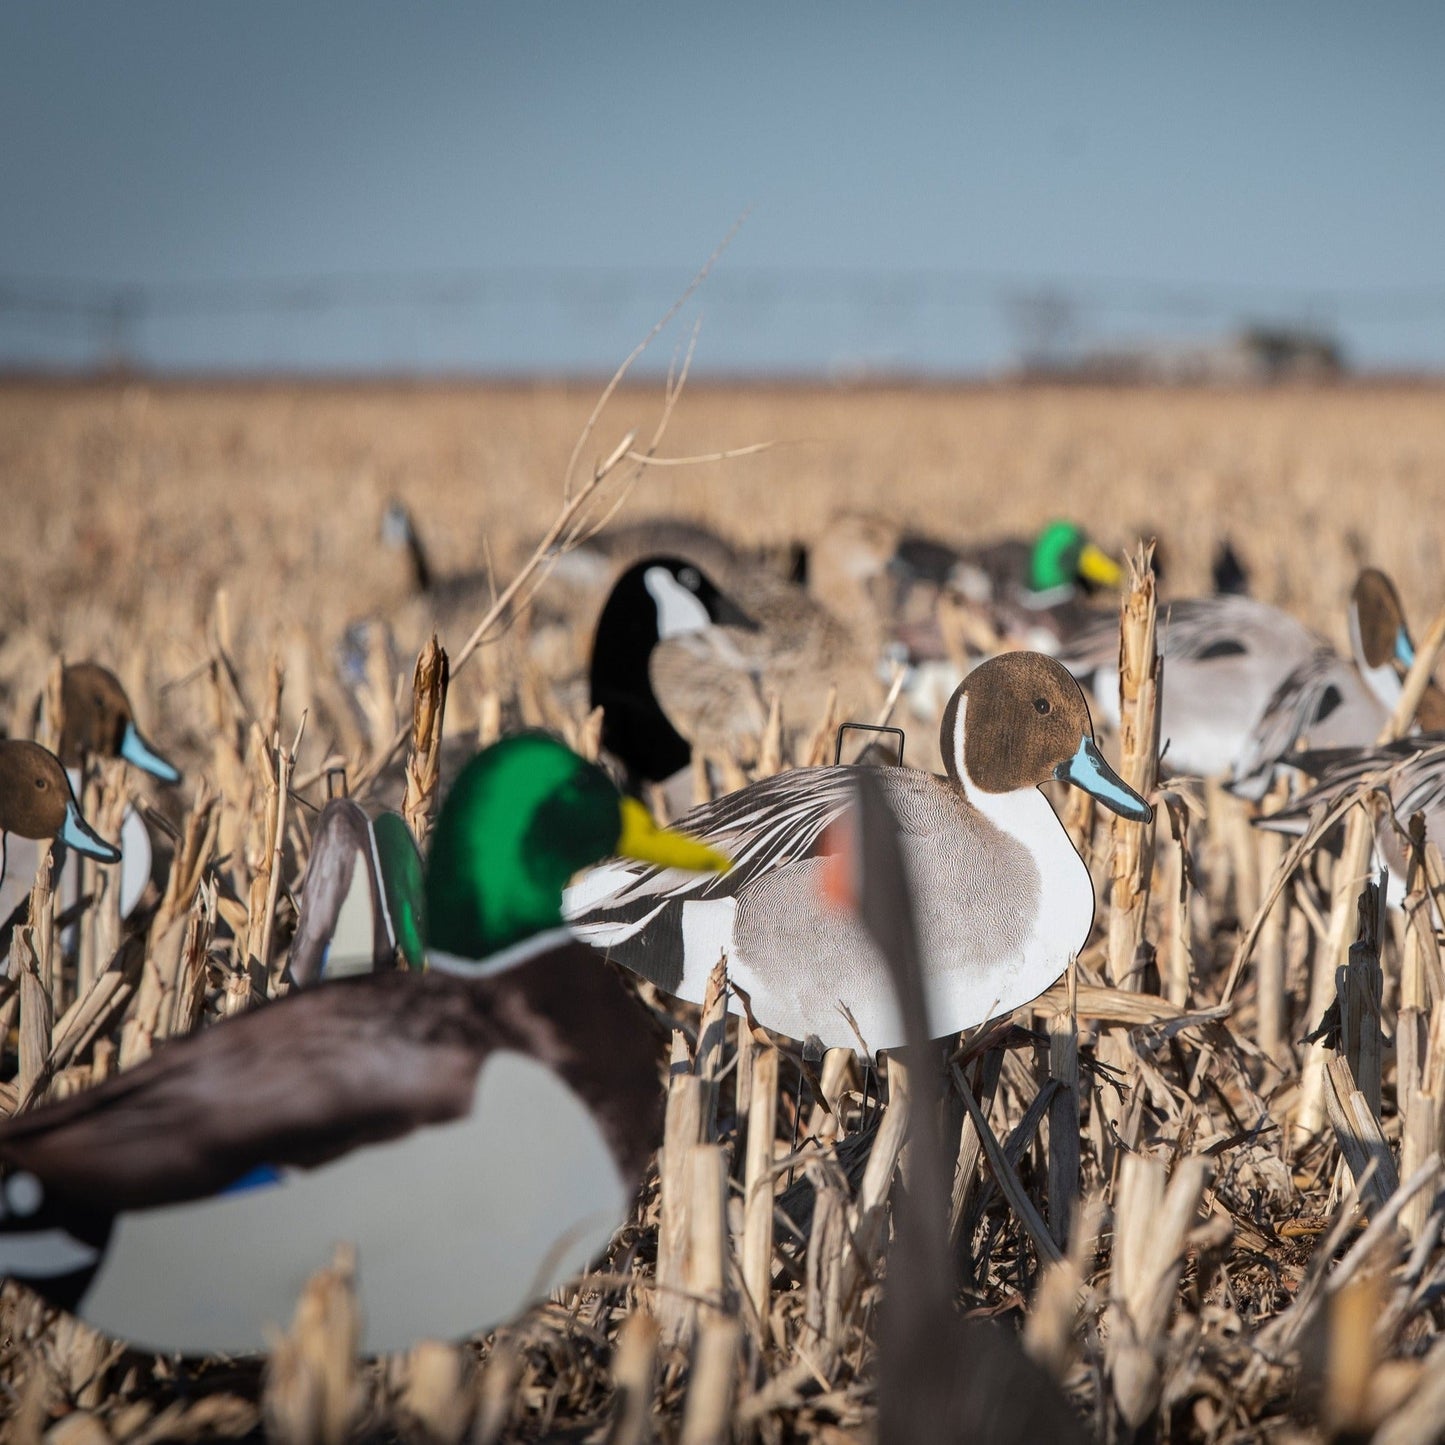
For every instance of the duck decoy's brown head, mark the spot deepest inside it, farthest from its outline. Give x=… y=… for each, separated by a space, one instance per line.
x=99 y=721
x=1378 y=621
x=36 y=800
x=1019 y=720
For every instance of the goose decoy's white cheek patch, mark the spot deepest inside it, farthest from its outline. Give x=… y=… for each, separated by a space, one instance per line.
x=678 y=610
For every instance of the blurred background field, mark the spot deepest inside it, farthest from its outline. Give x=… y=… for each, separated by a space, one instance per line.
x=128 y=505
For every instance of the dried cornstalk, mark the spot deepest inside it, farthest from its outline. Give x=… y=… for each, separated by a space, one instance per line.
x=634 y=1367
x=170 y=991
x=868 y=1218
x=1151 y=1230
x=1357 y=1131
x=1051 y=1330
x=105 y=803
x=818 y=749
x=1140 y=677
x=758 y=1184
x=711 y=1040
x=1359 y=986
x=1420 y=1139
x=707 y=1419
x=435 y=1406
x=1416 y=681
x=33 y=964
x=313 y=1389
x=1271 y=1019
x=705 y=1273
x=1351 y=870
x=682 y=1131
x=424 y=763
x=1351 y=1357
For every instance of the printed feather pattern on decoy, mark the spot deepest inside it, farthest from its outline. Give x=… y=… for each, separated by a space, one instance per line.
x=1004 y=898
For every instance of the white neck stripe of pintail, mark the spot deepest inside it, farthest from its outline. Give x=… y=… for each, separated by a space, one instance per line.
x=999 y=808
x=499 y=962
x=1383 y=681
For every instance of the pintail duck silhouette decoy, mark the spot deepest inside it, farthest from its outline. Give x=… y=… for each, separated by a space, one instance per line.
x=99 y=722
x=1005 y=900
x=363 y=899
x=1244 y=682
x=476 y=1131
x=942 y=1380
x=38 y=805
x=1410 y=774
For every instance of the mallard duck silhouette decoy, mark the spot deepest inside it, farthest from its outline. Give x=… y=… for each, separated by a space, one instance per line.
x=1004 y=899
x=476 y=1131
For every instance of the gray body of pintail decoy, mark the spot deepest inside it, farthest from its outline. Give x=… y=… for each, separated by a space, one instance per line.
x=658 y=601
x=37 y=806
x=1410 y=774
x=363 y=898
x=941 y=1380
x=1245 y=683
x=476 y=1131
x=99 y=722
x=1005 y=901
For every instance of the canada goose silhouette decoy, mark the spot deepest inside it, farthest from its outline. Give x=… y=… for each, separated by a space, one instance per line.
x=1004 y=899
x=476 y=1131
x=363 y=898
x=941 y=1380
x=662 y=600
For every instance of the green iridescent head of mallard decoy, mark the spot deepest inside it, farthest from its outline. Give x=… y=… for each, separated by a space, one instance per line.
x=1063 y=557
x=522 y=818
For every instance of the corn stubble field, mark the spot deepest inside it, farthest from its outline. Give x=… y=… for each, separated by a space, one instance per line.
x=1202 y=1226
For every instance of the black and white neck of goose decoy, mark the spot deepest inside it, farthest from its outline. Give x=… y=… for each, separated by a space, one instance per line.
x=476 y=1131
x=1006 y=899
x=941 y=1380
x=654 y=600
x=398 y=531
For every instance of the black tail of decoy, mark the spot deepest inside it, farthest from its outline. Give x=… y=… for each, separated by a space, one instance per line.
x=1231 y=577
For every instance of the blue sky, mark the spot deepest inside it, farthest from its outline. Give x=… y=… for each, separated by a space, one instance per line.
x=525 y=187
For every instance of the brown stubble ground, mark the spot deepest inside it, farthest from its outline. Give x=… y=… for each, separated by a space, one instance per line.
x=129 y=507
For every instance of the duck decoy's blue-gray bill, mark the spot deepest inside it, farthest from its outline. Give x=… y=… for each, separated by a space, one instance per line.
x=1088 y=770
x=78 y=834
x=135 y=749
